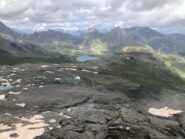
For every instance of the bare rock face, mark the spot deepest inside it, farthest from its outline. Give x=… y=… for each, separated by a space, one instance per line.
x=106 y=101
x=110 y=123
x=146 y=57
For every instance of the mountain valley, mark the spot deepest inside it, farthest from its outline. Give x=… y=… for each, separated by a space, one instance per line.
x=123 y=84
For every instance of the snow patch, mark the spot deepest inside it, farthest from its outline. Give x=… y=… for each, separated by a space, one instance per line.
x=2 y=97
x=21 y=105
x=77 y=78
x=52 y=121
x=15 y=93
x=163 y=112
x=44 y=66
x=29 y=131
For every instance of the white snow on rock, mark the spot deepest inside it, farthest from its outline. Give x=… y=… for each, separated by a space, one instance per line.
x=2 y=97
x=62 y=114
x=71 y=69
x=128 y=58
x=52 y=121
x=127 y=128
x=14 y=93
x=77 y=78
x=59 y=126
x=29 y=131
x=8 y=114
x=44 y=66
x=94 y=67
x=13 y=74
x=89 y=71
x=58 y=79
x=49 y=72
x=69 y=109
x=4 y=127
x=21 y=105
x=28 y=85
x=25 y=88
x=23 y=70
x=163 y=112
x=17 y=81
x=50 y=128
x=10 y=80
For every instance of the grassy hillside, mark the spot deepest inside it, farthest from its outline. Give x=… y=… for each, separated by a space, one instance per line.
x=12 y=60
x=175 y=64
x=135 y=78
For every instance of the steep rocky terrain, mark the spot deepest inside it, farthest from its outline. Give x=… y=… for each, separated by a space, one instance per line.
x=111 y=98
x=9 y=45
x=16 y=50
x=6 y=30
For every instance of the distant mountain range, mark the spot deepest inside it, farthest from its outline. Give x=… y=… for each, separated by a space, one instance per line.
x=91 y=41
x=16 y=48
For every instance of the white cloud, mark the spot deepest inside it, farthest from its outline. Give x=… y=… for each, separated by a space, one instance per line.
x=92 y=13
x=39 y=27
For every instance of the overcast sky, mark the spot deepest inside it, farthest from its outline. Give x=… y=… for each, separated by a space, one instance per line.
x=78 y=14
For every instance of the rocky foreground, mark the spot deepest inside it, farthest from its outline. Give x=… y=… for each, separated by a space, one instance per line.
x=114 y=98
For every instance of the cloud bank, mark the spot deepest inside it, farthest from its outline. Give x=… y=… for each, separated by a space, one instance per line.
x=78 y=14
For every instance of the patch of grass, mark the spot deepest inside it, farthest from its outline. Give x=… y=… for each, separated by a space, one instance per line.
x=137 y=49
x=145 y=73
x=134 y=78
x=13 y=60
x=149 y=78
x=176 y=64
x=95 y=47
x=109 y=82
x=99 y=48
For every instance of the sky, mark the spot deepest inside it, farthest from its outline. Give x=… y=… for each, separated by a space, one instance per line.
x=69 y=15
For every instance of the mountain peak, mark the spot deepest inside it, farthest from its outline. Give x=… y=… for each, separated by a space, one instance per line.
x=118 y=31
x=6 y=30
x=91 y=30
x=1 y=23
x=2 y=26
x=145 y=32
